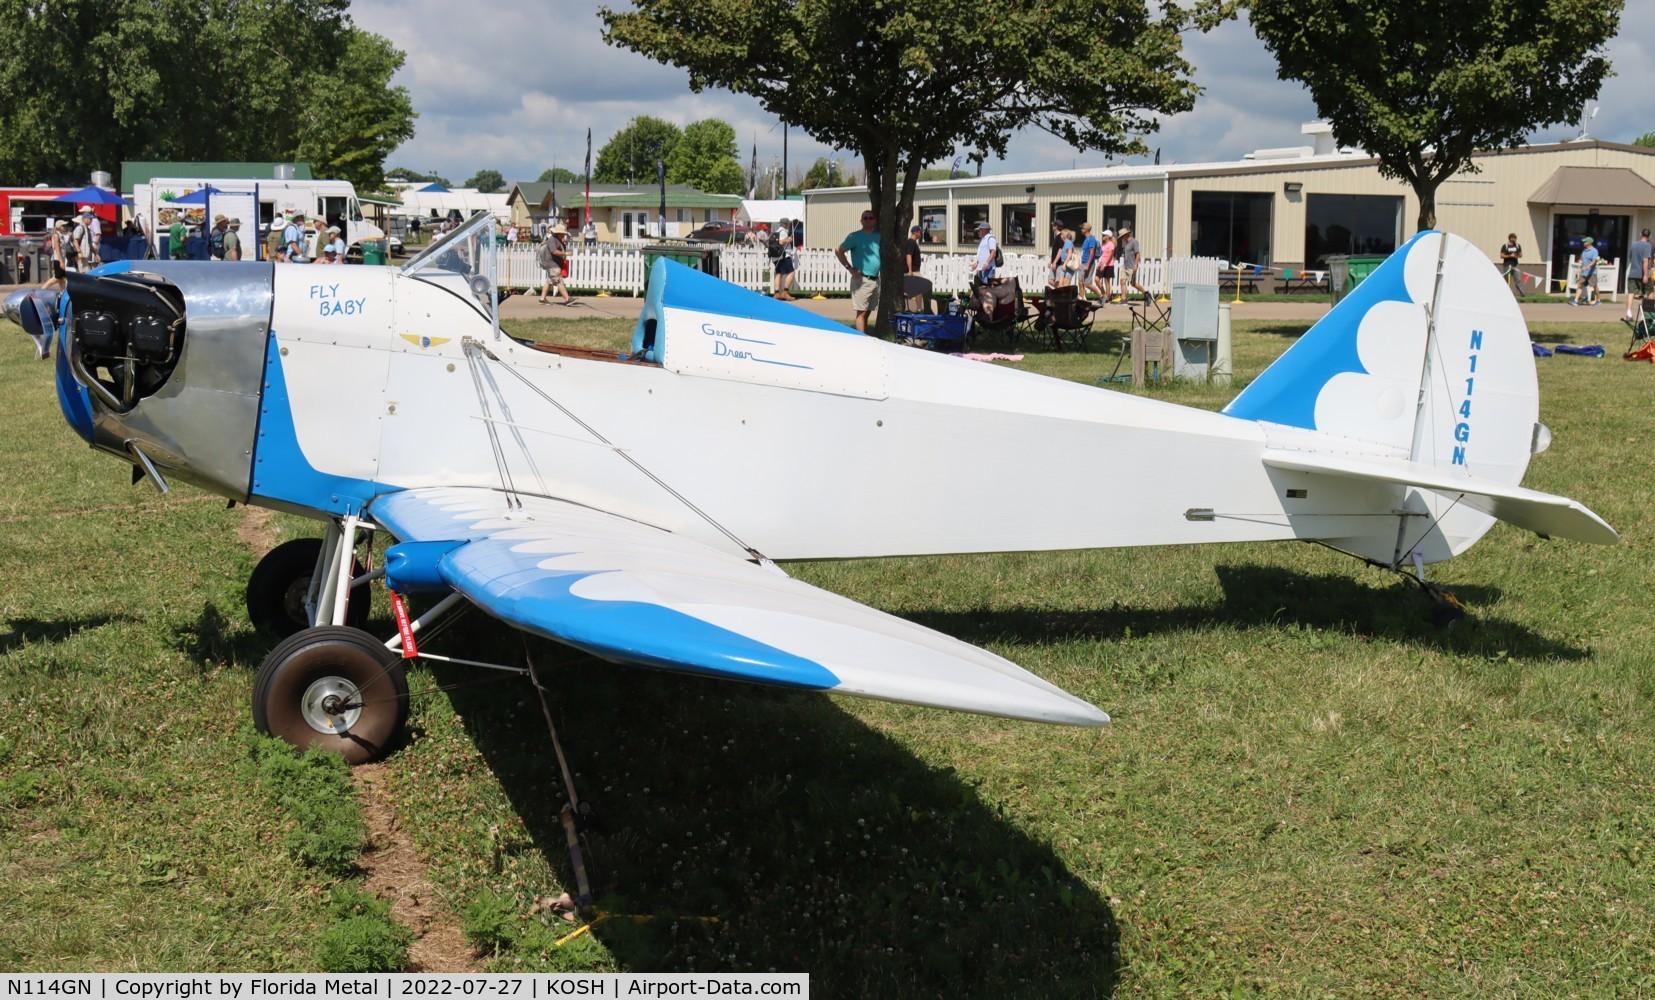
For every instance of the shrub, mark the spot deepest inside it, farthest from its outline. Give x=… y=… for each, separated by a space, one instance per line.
x=314 y=789
x=490 y=923
x=365 y=939
x=364 y=944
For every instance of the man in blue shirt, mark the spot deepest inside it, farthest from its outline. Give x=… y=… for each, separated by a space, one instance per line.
x=1586 y=288
x=293 y=237
x=1091 y=251
x=859 y=254
x=1638 y=273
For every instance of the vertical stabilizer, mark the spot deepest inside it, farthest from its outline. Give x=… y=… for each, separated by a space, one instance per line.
x=1426 y=362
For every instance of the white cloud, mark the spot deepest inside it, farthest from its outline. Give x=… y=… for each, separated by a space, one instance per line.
x=515 y=89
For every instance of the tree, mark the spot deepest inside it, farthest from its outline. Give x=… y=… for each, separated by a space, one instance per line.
x=907 y=87
x=816 y=176
x=192 y=80
x=630 y=154
x=558 y=175
x=1647 y=139
x=705 y=158
x=357 y=118
x=415 y=177
x=1436 y=82
x=486 y=181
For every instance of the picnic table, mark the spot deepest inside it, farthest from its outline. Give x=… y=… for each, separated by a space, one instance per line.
x=1248 y=280
x=1302 y=281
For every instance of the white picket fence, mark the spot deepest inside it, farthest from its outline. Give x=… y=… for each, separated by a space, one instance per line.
x=620 y=269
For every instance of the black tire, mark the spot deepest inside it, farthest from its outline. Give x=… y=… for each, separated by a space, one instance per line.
x=276 y=589
x=347 y=663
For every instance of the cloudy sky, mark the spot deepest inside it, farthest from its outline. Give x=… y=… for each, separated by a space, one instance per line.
x=517 y=89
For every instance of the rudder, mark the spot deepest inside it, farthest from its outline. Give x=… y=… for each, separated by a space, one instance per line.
x=1427 y=362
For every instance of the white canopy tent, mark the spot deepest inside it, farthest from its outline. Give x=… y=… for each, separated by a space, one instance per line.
x=754 y=211
x=465 y=201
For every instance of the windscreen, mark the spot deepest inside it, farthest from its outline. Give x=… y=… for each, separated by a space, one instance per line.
x=464 y=261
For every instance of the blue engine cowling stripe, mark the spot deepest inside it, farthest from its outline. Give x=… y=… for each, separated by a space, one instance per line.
x=281 y=472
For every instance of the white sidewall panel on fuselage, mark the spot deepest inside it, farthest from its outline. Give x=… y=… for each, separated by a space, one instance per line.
x=958 y=456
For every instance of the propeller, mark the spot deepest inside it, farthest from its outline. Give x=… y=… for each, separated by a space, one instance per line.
x=36 y=312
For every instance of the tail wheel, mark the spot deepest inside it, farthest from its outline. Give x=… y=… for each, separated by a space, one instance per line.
x=333 y=687
x=276 y=590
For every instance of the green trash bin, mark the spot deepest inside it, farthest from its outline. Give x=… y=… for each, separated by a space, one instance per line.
x=701 y=256
x=376 y=251
x=1345 y=272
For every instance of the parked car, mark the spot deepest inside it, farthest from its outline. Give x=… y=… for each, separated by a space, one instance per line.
x=719 y=232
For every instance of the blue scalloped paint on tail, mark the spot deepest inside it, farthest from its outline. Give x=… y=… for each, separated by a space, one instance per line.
x=1286 y=392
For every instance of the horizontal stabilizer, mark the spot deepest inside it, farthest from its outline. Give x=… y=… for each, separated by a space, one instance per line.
x=634 y=594
x=1541 y=513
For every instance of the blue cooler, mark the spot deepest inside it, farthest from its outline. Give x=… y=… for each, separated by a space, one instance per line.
x=944 y=333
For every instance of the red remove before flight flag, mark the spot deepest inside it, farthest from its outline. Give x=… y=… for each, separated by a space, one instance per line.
x=405 y=628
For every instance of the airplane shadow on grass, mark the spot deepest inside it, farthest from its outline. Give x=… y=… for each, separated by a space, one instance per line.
x=22 y=632
x=1267 y=595
x=817 y=842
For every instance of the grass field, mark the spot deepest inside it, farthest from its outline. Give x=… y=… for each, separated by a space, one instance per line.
x=1308 y=789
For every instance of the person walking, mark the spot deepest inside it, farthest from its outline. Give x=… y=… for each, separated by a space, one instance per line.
x=177 y=233
x=1091 y=252
x=781 y=260
x=1068 y=271
x=1127 y=249
x=89 y=239
x=859 y=253
x=215 y=239
x=987 y=263
x=232 y=240
x=1638 y=274
x=1510 y=254
x=554 y=253
x=1055 y=262
x=1586 y=284
x=57 y=247
x=293 y=238
x=1106 y=266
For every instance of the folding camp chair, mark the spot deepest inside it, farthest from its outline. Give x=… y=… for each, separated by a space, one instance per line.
x=1642 y=323
x=997 y=309
x=1065 y=315
x=1148 y=343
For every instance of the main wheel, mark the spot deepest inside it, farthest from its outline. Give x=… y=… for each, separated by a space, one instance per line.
x=333 y=687
x=276 y=590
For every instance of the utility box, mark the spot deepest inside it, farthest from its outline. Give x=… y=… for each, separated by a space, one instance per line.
x=1195 y=328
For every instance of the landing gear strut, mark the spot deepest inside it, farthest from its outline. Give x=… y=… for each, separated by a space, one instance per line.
x=281 y=582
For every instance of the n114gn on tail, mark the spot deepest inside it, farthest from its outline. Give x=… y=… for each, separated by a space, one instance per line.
x=636 y=506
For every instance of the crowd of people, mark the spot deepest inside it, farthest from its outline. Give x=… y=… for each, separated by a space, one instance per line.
x=1104 y=265
x=73 y=245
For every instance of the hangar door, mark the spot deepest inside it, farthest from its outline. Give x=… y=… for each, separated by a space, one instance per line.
x=1233 y=225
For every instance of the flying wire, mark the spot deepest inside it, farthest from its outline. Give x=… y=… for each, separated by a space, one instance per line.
x=588 y=428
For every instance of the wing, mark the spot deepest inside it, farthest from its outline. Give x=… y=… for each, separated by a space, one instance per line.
x=634 y=594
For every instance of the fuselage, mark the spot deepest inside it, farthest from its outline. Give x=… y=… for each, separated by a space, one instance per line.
x=800 y=443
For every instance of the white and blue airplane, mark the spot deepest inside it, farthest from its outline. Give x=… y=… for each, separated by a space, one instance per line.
x=637 y=506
